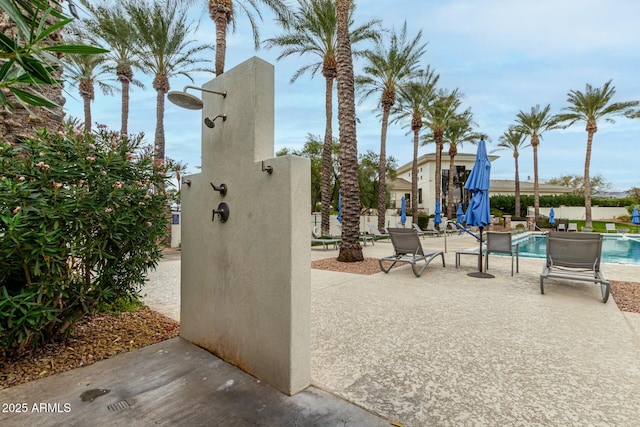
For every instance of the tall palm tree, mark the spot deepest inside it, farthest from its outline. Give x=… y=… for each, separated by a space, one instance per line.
x=223 y=14
x=86 y=72
x=534 y=124
x=515 y=141
x=589 y=107
x=440 y=114
x=111 y=25
x=459 y=131
x=350 y=250
x=414 y=99
x=312 y=30
x=165 y=51
x=387 y=69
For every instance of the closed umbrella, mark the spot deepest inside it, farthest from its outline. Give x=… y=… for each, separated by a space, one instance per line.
x=552 y=217
x=479 y=212
x=635 y=217
x=437 y=219
x=459 y=213
x=403 y=211
x=339 y=217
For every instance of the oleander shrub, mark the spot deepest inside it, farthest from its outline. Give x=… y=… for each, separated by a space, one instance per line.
x=80 y=226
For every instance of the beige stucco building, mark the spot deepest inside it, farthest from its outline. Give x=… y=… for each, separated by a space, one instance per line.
x=463 y=162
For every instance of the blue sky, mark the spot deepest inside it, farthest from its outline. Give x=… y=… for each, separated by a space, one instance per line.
x=503 y=55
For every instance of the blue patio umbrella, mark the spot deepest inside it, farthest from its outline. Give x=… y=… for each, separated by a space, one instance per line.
x=552 y=217
x=479 y=212
x=459 y=213
x=635 y=217
x=339 y=217
x=437 y=219
x=403 y=211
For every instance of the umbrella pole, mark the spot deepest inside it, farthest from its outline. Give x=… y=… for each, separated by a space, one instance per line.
x=480 y=274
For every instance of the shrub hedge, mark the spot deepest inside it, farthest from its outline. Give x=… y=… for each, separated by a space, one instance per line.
x=80 y=224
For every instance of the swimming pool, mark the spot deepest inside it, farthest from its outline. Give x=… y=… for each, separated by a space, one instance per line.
x=615 y=249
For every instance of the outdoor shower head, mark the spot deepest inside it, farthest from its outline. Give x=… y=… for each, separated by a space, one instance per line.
x=211 y=122
x=191 y=102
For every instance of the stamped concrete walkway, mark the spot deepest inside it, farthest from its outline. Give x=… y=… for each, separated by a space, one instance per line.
x=443 y=349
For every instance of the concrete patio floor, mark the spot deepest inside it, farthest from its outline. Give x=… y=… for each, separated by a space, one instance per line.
x=442 y=349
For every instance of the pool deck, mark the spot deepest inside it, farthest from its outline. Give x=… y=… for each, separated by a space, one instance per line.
x=443 y=349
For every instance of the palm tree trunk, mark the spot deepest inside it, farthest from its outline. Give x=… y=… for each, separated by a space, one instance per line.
x=327 y=152
x=221 y=40
x=414 y=178
x=587 y=182
x=159 y=136
x=517 y=178
x=87 y=112
x=536 y=189
x=438 y=180
x=350 y=250
x=125 y=108
x=450 y=187
x=382 y=171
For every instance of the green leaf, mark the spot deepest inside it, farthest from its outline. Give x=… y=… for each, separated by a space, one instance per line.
x=32 y=99
x=76 y=49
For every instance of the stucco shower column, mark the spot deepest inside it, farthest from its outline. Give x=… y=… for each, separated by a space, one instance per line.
x=245 y=290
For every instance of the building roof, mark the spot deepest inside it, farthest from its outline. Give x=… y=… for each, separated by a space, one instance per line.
x=508 y=186
x=431 y=157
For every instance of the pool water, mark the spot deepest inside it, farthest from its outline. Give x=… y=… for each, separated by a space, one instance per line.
x=615 y=249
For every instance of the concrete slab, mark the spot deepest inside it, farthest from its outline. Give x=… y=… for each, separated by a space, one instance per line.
x=172 y=383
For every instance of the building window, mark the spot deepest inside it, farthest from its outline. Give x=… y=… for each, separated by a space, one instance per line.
x=419 y=195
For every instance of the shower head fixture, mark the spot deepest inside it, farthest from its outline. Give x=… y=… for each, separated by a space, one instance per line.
x=211 y=122
x=191 y=102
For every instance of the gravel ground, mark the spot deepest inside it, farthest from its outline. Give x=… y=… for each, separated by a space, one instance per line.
x=106 y=335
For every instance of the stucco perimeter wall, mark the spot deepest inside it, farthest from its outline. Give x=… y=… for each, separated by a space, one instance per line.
x=245 y=283
x=578 y=212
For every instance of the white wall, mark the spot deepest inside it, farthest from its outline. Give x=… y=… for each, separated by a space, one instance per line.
x=578 y=212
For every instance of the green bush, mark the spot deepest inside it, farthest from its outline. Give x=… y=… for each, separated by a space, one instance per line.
x=80 y=225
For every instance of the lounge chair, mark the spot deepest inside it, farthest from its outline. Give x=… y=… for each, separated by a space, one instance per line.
x=422 y=232
x=572 y=226
x=407 y=248
x=575 y=257
x=501 y=243
x=315 y=238
x=376 y=233
x=561 y=227
x=610 y=227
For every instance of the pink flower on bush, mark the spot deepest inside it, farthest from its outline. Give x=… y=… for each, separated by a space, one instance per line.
x=57 y=184
x=42 y=165
x=117 y=184
x=149 y=223
x=108 y=210
x=17 y=209
x=21 y=178
x=92 y=146
x=42 y=154
x=91 y=158
x=147 y=196
x=129 y=155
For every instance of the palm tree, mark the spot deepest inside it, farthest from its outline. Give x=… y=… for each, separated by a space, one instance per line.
x=86 y=72
x=350 y=250
x=589 y=107
x=459 y=131
x=165 y=51
x=387 y=69
x=312 y=29
x=515 y=141
x=111 y=26
x=414 y=99
x=534 y=124
x=223 y=14
x=439 y=116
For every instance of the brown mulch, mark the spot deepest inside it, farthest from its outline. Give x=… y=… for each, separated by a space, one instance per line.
x=368 y=266
x=627 y=295
x=92 y=339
